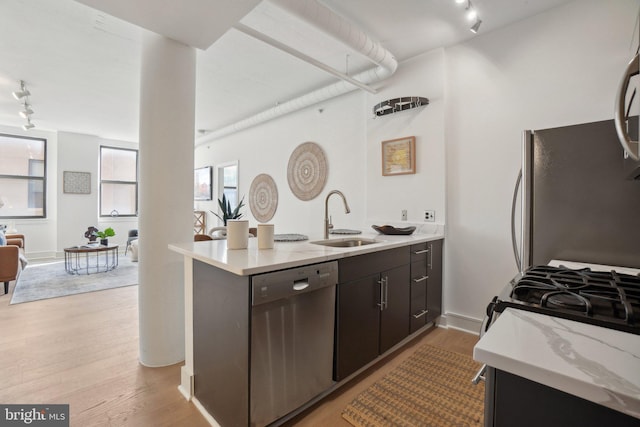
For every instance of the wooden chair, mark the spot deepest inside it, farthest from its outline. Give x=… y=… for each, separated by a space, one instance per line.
x=201 y=237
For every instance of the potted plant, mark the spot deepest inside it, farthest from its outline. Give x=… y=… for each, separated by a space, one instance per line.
x=104 y=235
x=227 y=212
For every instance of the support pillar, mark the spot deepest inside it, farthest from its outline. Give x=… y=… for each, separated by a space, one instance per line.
x=167 y=117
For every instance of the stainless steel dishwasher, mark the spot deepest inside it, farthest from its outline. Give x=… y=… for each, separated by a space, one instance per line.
x=292 y=329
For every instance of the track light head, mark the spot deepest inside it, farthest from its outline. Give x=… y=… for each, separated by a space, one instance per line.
x=28 y=126
x=26 y=112
x=19 y=94
x=476 y=26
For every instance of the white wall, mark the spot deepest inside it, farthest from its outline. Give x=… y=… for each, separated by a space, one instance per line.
x=76 y=212
x=338 y=129
x=68 y=215
x=387 y=196
x=557 y=68
x=351 y=139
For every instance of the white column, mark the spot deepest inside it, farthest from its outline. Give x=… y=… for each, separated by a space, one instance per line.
x=167 y=117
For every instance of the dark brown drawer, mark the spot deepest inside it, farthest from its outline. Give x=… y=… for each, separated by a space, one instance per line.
x=419 y=251
x=355 y=267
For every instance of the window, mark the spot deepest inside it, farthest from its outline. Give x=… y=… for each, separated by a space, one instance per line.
x=228 y=182
x=22 y=177
x=118 y=182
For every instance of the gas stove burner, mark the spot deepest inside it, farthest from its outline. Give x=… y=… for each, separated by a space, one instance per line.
x=604 y=298
x=567 y=300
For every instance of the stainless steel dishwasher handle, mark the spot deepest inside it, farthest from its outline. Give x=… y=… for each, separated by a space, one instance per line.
x=480 y=375
x=299 y=286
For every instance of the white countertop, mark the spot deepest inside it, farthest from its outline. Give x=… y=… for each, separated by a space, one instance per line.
x=597 y=364
x=252 y=260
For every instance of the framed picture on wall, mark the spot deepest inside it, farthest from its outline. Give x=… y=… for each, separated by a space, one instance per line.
x=202 y=183
x=399 y=156
x=76 y=182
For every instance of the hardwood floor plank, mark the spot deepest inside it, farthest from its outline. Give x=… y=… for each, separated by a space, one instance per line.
x=83 y=350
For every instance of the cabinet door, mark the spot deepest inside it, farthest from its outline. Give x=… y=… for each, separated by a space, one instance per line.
x=357 y=325
x=394 y=318
x=434 y=282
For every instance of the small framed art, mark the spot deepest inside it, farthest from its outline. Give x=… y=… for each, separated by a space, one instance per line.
x=399 y=156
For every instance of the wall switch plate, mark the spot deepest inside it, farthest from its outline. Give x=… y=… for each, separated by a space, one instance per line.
x=430 y=216
x=404 y=214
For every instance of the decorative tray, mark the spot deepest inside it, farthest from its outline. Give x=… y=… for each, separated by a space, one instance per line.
x=289 y=237
x=388 y=229
x=344 y=231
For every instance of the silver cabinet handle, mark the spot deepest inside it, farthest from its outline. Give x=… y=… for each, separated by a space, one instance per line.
x=381 y=303
x=419 y=315
x=480 y=375
x=430 y=256
x=423 y=251
x=421 y=279
x=386 y=292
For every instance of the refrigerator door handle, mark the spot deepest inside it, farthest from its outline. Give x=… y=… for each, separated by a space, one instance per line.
x=514 y=243
x=632 y=148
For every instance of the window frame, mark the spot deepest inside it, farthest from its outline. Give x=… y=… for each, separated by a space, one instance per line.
x=28 y=178
x=116 y=182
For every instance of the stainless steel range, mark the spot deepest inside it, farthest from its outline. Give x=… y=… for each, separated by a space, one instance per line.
x=609 y=299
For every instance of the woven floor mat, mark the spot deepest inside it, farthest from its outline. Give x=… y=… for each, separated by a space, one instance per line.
x=431 y=388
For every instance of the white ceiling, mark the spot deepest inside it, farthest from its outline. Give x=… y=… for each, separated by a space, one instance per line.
x=82 y=65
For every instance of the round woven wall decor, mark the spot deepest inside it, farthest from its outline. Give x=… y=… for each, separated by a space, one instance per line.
x=307 y=171
x=263 y=197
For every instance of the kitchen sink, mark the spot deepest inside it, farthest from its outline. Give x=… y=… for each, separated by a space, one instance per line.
x=347 y=242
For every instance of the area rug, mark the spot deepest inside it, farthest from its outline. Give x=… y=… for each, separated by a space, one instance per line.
x=43 y=281
x=431 y=388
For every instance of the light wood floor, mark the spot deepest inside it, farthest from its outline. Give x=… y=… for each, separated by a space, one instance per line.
x=83 y=350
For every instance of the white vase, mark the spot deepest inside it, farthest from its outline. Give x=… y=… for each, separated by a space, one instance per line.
x=237 y=234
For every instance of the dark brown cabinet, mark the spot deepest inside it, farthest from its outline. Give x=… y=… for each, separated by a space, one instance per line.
x=426 y=283
x=373 y=307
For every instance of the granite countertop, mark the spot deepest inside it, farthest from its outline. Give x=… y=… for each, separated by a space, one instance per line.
x=245 y=262
x=595 y=363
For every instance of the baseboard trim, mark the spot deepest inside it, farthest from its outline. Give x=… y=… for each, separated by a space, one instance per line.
x=186 y=383
x=460 y=322
x=207 y=416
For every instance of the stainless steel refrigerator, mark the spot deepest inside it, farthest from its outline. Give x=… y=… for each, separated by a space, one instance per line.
x=578 y=204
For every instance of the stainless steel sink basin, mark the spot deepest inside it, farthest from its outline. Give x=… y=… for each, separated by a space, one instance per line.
x=347 y=242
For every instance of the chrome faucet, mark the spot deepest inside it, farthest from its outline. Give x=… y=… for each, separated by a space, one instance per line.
x=327 y=221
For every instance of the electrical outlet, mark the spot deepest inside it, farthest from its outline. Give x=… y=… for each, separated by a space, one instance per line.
x=404 y=214
x=430 y=216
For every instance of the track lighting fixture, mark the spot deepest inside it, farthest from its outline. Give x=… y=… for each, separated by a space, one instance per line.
x=471 y=14
x=23 y=96
x=29 y=125
x=26 y=112
x=474 y=27
x=19 y=94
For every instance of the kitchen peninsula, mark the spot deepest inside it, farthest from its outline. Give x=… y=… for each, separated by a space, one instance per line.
x=384 y=294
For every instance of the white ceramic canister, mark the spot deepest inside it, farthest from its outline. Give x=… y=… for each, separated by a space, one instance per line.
x=237 y=234
x=265 y=236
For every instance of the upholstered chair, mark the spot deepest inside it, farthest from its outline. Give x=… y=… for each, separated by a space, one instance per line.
x=9 y=264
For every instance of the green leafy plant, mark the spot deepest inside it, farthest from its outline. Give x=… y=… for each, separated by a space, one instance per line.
x=227 y=212
x=108 y=232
